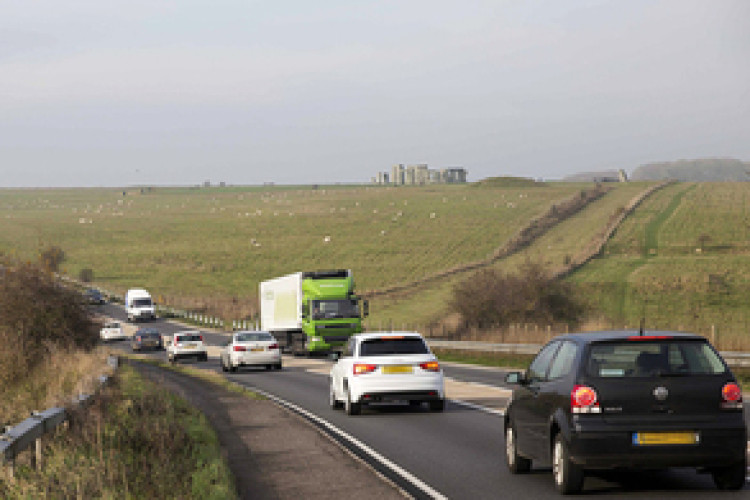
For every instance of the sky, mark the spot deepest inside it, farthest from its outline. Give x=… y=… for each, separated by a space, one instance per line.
x=179 y=92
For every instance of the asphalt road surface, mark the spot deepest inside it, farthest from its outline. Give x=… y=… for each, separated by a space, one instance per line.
x=458 y=453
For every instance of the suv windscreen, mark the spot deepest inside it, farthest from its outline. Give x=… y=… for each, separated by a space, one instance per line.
x=647 y=358
x=142 y=303
x=385 y=346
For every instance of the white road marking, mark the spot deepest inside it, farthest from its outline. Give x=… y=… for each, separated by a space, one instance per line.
x=403 y=473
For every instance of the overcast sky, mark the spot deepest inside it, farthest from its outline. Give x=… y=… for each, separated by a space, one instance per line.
x=124 y=92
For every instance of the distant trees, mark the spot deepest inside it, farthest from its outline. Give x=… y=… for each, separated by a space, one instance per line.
x=51 y=257
x=490 y=298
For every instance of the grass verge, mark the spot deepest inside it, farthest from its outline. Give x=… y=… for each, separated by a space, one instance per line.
x=134 y=441
x=496 y=359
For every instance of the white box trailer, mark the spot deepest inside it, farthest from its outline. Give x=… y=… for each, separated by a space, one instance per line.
x=281 y=304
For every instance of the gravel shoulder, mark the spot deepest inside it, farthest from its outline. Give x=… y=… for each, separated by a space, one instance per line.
x=273 y=453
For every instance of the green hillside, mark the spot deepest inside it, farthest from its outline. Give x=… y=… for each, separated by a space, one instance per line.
x=682 y=261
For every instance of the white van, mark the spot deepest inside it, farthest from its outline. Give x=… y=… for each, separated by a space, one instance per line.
x=138 y=305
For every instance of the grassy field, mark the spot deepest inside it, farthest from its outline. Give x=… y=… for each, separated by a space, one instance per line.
x=682 y=259
x=187 y=244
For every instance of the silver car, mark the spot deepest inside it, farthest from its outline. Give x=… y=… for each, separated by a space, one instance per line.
x=251 y=349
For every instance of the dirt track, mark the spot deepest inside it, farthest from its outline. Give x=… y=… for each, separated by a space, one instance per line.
x=273 y=453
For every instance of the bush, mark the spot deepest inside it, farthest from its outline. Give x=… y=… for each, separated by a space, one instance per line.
x=51 y=258
x=37 y=314
x=86 y=275
x=492 y=299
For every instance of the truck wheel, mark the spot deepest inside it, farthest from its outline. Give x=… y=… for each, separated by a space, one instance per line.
x=349 y=407
x=438 y=405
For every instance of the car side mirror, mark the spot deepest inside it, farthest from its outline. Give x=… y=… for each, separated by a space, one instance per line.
x=334 y=356
x=514 y=378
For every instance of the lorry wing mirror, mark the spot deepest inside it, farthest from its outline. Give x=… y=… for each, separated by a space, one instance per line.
x=365 y=308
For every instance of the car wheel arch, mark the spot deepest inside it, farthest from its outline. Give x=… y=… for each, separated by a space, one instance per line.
x=558 y=424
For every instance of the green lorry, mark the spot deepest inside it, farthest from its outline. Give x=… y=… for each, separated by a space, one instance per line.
x=315 y=311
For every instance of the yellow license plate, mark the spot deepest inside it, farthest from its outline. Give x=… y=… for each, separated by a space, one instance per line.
x=655 y=438
x=189 y=346
x=397 y=369
x=256 y=349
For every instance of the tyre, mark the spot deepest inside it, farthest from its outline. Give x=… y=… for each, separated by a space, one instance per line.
x=269 y=367
x=224 y=366
x=278 y=365
x=567 y=475
x=332 y=402
x=731 y=477
x=516 y=463
x=204 y=357
x=349 y=407
x=232 y=368
x=438 y=405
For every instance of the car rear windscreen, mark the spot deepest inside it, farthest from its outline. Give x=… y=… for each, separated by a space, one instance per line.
x=254 y=337
x=385 y=346
x=189 y=338
x=649 y=358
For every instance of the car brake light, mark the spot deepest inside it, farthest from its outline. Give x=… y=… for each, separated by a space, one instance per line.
x=731 y=396
x=650 y=337
x=239 y=348
x=362 y=368
x=583 y=399
x=273 y=346
x=430 y=366
x=200 y=337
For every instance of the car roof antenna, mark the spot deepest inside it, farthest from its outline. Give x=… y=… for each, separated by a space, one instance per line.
x=641 y=328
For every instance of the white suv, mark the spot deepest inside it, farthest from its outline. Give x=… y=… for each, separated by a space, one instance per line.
x=187 y=344
x=386 y=367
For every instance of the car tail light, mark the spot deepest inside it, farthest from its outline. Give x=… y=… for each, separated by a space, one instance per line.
x=200 y=337
x=138 y=339
x=362 y=368
x=731 y=396
x=583 y=399
x=650 y=337
x=273 y=346
x=430 y=366
x=239 y=348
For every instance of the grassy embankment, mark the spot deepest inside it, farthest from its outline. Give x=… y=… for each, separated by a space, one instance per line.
x=133 y=441
x=682 y=262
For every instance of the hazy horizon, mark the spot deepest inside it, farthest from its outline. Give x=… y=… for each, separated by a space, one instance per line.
x=138 y=93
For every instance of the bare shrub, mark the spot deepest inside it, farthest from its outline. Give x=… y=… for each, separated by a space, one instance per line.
x=493 y=299
x=51 y=257
x=86 y=275
x=37 y=315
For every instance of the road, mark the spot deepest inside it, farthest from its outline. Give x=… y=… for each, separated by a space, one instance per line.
x=458 y=453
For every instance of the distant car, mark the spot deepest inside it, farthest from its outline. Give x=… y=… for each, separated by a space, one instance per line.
x=112 y=330
x=188 y=344
x=251 y=349
x=94 y=296
x=146 y=338
x=627 y=400
x=386 y=367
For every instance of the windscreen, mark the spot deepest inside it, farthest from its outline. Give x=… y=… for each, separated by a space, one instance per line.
x=142 y=303
x=384 y=346
x=653 y=358
x=330 y=309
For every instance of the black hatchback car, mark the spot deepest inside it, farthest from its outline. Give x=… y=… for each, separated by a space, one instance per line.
x=627 y=400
